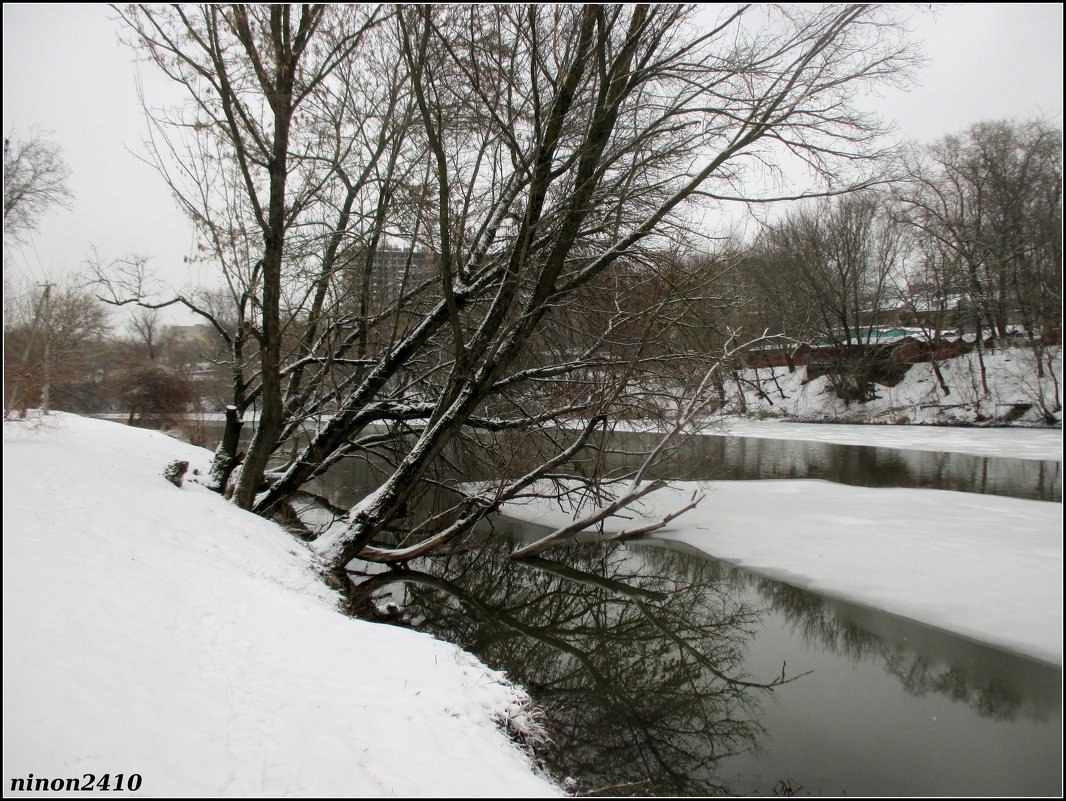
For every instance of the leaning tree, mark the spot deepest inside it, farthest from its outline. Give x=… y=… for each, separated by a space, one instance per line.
x=454 y=229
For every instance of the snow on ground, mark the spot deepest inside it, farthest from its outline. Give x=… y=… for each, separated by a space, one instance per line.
x=1017 y=443
x=1011 y=374
x=985 y=567
x=161 y=631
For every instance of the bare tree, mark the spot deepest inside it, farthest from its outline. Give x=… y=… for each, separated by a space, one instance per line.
x=144 y=328
x=51 y=338
x=990 y=200
x=836 y=261
x=930 y=287
x=35 y=180
x=527 y=164
x=154 y=394
x=771 y=301
x=248 y=71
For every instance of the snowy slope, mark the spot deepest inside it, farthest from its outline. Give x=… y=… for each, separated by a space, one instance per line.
x=161 y=631
x=1011 y=375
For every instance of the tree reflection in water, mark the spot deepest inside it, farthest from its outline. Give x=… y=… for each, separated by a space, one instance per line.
x=636 y=654
x=635 y=660
x=816 y=622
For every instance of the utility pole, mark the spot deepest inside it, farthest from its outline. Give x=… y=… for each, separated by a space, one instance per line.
x=46 y=392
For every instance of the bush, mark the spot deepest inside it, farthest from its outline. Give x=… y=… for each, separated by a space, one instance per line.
x=155 y=395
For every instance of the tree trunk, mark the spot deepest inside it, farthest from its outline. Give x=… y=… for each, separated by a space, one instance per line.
x=940 y=375
x=225 y=459
x=271 y=420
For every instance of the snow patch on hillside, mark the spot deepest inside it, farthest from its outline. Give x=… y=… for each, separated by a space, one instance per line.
x=918 y=398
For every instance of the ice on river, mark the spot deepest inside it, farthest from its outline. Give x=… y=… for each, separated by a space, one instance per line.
x=1015 y=443
x=983 y=566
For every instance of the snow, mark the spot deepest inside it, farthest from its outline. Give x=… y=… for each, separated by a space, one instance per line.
x=1010 y=442
x=917 y=399
x=986 y=567
x=913 y=415
x=1017 y=443
x=161 y=631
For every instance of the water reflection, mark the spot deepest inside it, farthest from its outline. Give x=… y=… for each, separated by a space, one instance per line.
x=642 y=659
x=638 y=667
x=993 y=683
x=711 y=457
x=925 y=660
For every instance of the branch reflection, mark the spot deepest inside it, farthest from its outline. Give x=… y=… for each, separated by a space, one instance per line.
x=637 y=667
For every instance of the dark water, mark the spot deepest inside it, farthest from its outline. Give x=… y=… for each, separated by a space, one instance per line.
x=741 y=458
x=707 y=458
x=710 y=457
x=663 y=672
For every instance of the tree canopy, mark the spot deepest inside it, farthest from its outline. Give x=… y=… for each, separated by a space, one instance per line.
x=35 y=180
x=452 y=232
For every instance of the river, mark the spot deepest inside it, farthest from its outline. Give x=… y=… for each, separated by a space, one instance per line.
x=662 y=671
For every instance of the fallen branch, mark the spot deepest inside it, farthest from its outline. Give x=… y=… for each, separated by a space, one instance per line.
x=636 y=532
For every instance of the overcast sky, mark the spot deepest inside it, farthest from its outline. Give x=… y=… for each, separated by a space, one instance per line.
x=66 y=74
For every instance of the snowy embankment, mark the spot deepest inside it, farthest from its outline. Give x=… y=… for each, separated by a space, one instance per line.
x=163 y=632
x=982 y=566
x=1012 y=383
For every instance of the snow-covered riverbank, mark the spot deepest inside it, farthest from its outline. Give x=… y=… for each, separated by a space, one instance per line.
x=1012 y=385
x=163 y=632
